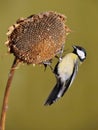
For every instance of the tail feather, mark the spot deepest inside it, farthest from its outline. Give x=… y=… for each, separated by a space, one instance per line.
x=54 y=94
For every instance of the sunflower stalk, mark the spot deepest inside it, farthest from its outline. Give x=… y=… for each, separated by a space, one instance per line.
x=6 y=94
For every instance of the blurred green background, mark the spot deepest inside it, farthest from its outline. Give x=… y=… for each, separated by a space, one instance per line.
x=78 y=109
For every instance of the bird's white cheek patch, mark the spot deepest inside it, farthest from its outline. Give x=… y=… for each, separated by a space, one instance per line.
x=81 y=54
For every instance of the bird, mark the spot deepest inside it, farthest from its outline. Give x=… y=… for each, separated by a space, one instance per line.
x=65 y=72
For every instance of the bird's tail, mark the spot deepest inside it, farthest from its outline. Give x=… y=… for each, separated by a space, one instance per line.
x=56 y=93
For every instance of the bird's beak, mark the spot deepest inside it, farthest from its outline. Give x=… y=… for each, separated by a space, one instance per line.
x=74 y=46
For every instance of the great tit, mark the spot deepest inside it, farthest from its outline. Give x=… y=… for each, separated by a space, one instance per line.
x=65 y=72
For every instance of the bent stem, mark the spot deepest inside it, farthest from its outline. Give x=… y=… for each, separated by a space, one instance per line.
x=6 y=94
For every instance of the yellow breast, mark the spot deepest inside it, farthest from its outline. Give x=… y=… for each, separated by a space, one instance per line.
x=66 y=66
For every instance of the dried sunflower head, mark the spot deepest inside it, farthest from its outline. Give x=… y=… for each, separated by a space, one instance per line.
x=37 y=38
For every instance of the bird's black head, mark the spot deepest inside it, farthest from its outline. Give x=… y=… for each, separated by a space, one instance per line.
x=80 y=52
